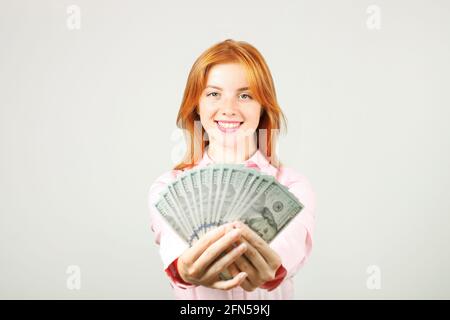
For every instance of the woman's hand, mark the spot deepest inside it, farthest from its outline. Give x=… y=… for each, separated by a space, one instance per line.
x=202 y=263
x=260 y=261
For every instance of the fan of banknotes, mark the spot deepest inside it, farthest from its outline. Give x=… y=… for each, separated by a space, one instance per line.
x=201 y=199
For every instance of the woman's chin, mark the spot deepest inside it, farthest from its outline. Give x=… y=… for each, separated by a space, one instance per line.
x=224 y=139
x=227 y=143
x=235 y=136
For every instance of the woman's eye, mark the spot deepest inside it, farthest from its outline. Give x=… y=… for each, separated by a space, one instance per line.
x=212 y=94
x=246 y=95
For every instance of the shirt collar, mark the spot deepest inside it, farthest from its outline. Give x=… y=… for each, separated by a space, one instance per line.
x=257 y=160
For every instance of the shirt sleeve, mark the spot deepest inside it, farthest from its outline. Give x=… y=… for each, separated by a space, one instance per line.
x=294 y=243
x=171 y=246
x=279 y=277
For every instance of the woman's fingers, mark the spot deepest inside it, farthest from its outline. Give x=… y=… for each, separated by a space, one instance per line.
x=211 y=255
x=223 y=262
x=269 y=255
x=255 y=257
x=245 y=284
x=233 y=269
x=244 y=265
x=264 y=271
x=214 y=250
x=230 y=284
x=203 y=243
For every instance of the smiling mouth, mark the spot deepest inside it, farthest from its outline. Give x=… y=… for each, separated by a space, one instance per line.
x=228 y=126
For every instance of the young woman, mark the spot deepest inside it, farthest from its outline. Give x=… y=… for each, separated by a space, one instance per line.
x=231 y=115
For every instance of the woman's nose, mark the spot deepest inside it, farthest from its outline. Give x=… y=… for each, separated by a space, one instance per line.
x=228 y=113
x=229 y=108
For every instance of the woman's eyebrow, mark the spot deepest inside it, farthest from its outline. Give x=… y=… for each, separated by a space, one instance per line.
x=219 y=88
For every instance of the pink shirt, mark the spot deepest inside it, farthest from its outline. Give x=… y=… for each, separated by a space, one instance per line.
x=293 y=244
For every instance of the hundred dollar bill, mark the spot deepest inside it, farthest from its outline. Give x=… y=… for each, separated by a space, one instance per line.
x=241 y=187
x=217 y=183
x=166 y=211
x=173 y=200
x=203 y=201
x=197 y=193
x=237 y=187
x=168 y=208
x=271 y=212
x=209 y=172
x=264 y=181
x=203 y=198
x=225 y=183
x=181 y=197
x=250 y=187
x=234 y=179
x=188 y=188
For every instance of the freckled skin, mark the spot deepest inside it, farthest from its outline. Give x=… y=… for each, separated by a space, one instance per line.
x=228 y=104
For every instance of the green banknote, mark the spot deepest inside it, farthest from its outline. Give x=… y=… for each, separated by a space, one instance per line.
x=202 y=199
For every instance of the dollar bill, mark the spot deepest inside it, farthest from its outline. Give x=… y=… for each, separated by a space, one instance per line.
x=225 y=183
x=166 y=211
x=197 y=193
x=188 y=188
x=182 y=201
x=217 y=184
x=203 y=198
x=271 y=212
x=249 y=188
x=177 y=216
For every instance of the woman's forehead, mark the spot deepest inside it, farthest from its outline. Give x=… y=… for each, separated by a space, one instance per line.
x=228 y=77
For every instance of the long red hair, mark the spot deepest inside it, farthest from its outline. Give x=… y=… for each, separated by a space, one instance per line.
x=260 y=83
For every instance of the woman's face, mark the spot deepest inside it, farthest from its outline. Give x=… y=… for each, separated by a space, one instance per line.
x=228 y=112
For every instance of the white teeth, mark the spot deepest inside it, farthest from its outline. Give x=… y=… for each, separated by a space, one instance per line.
x=229 y=125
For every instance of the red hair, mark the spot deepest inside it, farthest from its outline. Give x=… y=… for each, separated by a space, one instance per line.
x=260 y=83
